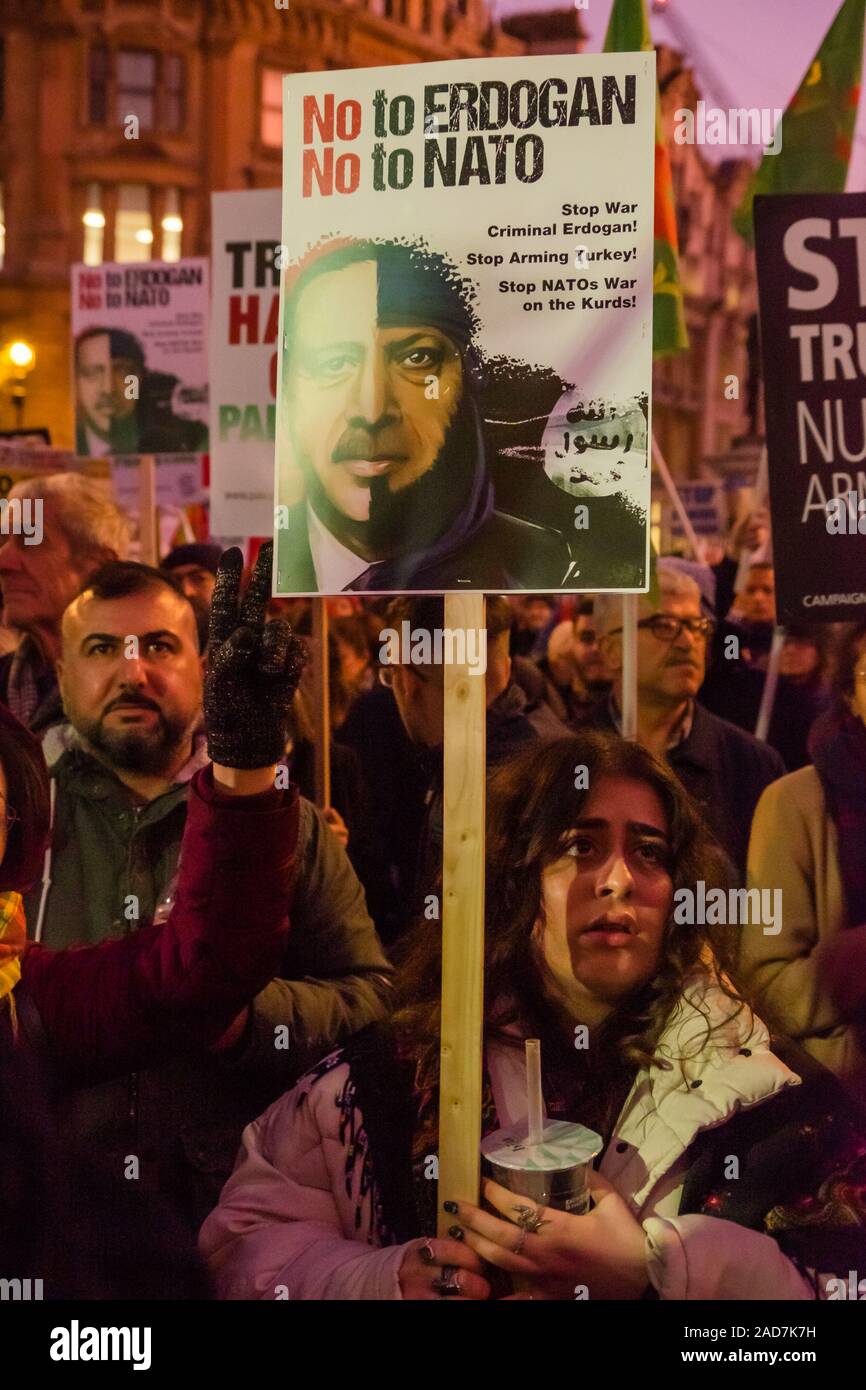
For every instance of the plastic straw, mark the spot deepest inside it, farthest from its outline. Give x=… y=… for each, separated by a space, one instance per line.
x=535 y=1107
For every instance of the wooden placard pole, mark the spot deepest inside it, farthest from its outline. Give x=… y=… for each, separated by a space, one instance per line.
x=148 y=530
x=629 y=665
x=321 y=705
x=462 y=919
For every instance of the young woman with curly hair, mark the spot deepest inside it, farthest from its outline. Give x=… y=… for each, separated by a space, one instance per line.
x=726 y=1170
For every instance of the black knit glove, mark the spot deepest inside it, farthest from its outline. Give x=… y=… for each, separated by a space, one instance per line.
x=253 y=669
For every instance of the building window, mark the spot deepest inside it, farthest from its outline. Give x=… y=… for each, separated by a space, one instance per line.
x=94 y=226
x=133 y=232
x=171 y=226
x=133 y=225
x=136 y=82
x=98 y=85
x=272 y=108
x=172 y=105
x=136 y=87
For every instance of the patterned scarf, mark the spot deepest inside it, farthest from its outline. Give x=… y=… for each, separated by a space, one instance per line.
x=837 y=745
x=22 y=694
x=12 y=926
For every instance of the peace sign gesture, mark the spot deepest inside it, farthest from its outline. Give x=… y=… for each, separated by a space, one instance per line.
x=253 y=669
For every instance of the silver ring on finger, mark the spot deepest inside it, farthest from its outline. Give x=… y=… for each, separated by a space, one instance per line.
x=447 y=1285
x=530 y=1219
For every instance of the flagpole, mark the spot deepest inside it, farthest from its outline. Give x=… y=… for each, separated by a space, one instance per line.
x=677 y=503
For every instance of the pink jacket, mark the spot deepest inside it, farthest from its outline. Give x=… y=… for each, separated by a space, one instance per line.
x=297 y=1219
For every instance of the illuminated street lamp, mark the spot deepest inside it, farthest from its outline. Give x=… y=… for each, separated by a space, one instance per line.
x=21 y=355
x=19 y=359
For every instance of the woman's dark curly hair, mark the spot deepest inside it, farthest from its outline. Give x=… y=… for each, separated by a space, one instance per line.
x=532 y=808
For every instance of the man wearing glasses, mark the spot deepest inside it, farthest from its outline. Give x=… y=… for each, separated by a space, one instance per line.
x=724 y=768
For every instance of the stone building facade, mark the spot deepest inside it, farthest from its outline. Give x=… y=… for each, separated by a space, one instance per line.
x=80 y=181
x=706 y=399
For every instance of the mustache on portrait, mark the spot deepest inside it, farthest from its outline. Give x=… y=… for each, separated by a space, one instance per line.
x=383 y=443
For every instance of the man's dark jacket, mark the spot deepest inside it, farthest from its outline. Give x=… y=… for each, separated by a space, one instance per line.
x=395 y=785
x=724 y=770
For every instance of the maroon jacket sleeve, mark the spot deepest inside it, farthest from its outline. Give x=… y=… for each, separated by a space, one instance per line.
x=129 y=1003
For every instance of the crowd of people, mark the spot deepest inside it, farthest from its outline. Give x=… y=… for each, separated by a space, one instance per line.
x=219 y=1001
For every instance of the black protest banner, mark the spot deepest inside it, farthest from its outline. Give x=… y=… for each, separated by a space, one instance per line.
x=811 y=258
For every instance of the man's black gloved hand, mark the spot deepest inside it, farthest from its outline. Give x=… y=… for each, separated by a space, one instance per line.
x=253 y=669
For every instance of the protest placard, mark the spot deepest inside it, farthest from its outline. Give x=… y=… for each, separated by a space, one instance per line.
x=179 y=481
x=243 y=358
x=139 y=362
x=18 y=462
x=163 y=494
x=811 y=258
x=702 y=502
x=466 y=314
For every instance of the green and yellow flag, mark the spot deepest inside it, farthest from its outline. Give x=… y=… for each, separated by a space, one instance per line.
x=818 y=126
x=628 y=32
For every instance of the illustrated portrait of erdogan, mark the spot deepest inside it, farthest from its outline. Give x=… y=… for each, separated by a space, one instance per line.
x=381 y=430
